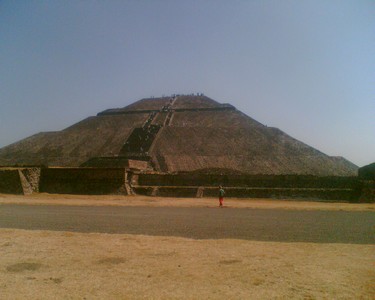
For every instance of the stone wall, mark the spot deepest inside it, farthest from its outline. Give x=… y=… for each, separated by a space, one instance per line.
x=274 y=181
x=367 y=191
x=30 y=178
x=186 y=192
x=286 y=193
x=19 y=180
x=87 y=181
x=117 y=162
x=10 y=182
x=97 y=181
x=251 y=186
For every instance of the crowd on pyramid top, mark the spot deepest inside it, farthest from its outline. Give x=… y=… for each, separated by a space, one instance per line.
x=179 y=95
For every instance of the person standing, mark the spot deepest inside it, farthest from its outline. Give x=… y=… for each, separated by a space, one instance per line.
x=221 y=196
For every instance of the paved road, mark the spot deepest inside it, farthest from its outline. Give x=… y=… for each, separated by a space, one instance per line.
x=199 y=223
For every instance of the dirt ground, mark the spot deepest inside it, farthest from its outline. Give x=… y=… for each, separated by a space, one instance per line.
x=66 y=265
x=120 y=200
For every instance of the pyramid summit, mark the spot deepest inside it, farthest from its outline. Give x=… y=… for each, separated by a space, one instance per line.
x=178 y=133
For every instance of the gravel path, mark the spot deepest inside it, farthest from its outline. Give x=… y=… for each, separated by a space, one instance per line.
x=198 y=222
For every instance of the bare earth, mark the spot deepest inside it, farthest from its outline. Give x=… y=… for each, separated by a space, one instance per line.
x=119 y=200
x=66 y=265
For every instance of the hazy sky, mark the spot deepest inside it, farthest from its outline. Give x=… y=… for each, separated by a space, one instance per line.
x=306 y=67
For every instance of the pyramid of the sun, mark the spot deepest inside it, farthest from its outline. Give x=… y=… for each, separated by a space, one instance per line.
x=176 y=134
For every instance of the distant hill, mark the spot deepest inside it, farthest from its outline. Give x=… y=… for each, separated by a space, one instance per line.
x=176 y=134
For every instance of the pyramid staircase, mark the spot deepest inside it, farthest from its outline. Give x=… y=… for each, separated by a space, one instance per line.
x=140 y=140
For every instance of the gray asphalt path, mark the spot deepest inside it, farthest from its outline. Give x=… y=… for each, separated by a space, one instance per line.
x=198 y=222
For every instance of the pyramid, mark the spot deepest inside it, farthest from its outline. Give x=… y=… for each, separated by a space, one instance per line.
x=178 y=133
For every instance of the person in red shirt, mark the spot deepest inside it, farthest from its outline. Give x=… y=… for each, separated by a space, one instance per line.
x=221 y=196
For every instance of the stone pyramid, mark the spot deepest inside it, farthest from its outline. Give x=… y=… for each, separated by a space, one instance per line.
x=179 y=133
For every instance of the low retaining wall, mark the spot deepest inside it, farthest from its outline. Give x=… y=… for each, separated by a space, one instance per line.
x=19 y=180
x=10 y=182
x=102 y=181
x=286 y=193
x=30 y=178
x=238 y=192
x=272 y=181
x=85 y=181
x=306 y=187
x=186 y=192
x=367 y=191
